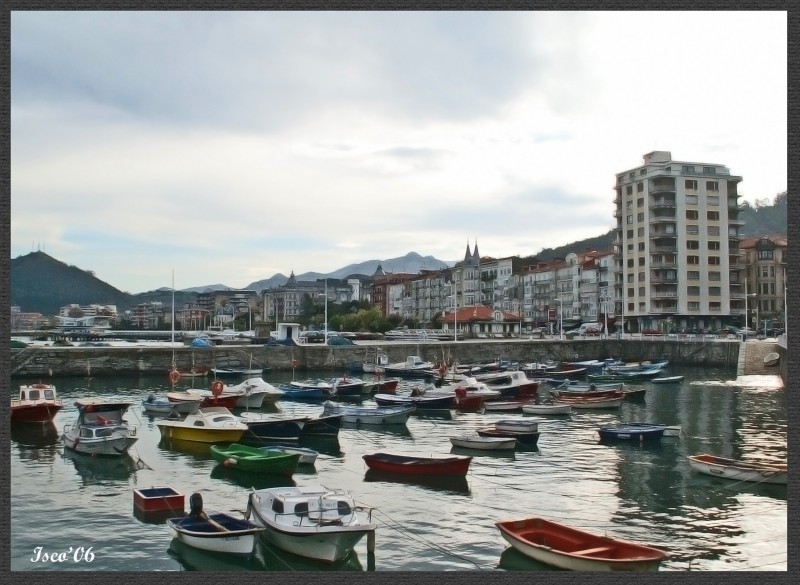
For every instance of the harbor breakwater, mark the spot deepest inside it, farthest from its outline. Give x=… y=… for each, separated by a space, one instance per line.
x=43 y=361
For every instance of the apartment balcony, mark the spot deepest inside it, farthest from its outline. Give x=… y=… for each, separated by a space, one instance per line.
x=658 y=219
x=661 y=186
x=736 y=222
x=660 y=280
x=663 y=204
x=660 y=296
x=664 y=249
x=659 y=234
x=664 y=310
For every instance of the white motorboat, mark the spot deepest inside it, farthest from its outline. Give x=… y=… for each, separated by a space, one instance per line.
x=311 y=521
x=758 y=472
x=100 y=428
x=252 y=393
x=162 y=405
x=214 y=424
x=521 y=424
x=382 y=415
x=547 y=409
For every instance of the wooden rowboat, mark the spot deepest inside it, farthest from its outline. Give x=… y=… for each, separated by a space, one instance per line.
x=772 y=358
x=418 y=465
x=667 y=380
x=483 y=443
x=759 y=472
x=576 y=550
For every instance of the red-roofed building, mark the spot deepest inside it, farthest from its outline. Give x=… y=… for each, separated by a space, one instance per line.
x=482 y=321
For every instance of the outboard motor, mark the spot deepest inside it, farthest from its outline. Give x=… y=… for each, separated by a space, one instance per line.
x=151 y=398
x=196 y=505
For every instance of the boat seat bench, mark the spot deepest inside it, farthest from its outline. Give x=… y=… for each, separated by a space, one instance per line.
x=592 y=551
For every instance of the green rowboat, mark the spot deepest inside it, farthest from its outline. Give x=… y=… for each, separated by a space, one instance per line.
x=238 y=456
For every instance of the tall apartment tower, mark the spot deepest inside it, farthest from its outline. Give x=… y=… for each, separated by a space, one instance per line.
x=677 y=246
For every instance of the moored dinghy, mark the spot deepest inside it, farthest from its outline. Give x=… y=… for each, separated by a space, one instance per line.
x=756 y=471
x=418 y=464
x=483 y=443
x=36 y=403
x=100 y=428
x=216 y=532
x=569 y=548
x=632 y=432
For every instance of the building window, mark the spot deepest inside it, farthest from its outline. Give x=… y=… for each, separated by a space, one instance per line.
x=714 y=291
x=630 y=262
x=713 y=215
x=714 y=306
x=641 y=277
x=693 y=275
x=687 y=168
x=630 y=307
x=641 y=291
x=712 y=200
x=639 y=187
x=714 y=277
x=690 y=184
x=629 y=204
x=630 y=234
x=765 y=254
x=692 y=245
x=693 y=291
x=629 y=219
x=712 y=186
x=713 y=245
x=630 y=292
x=640 y=232
x=630 y=247
x=713 y=230
x=640 y=217
x=641 y=261
x=629 y=190
x=692 y=230
x=709 y=170
x=640 y=201
x=692 y=214
x=693 y=259
x=642 y=307
x=641 y=246
x=691 y=200
x=693 y=305
x=642 y=171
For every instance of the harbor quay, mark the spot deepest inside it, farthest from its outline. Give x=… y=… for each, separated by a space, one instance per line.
x=42 y=361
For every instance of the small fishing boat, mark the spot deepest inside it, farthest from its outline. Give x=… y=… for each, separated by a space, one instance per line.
x=207 y=398
x=262 y=428
x=247 y=458
x=307 y=456
x=528 y=438
x=506 y=405
x=588 y=403
x=433 y=402
x=36 y=403
x=252 y=393
x=162 y=405
x=667 y=380
x=755 y=471
x=216 y=532
x=159 y=499
x=214 y=424
x=413 y=367
x=510 y=384
x=772 y=358
x=418 y=464
x=194 y=371
x=321 y=426
x=547 y=409
x=294 y=392
x=569 y=548
x=312 y=521
x=100 y=428
x=523 y=424
x=483 y=443
x=631 y=432
x=382 y=415
x=347 y=387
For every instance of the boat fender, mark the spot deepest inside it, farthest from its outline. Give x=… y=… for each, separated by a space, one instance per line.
x=216 y=388
x=174 y=376
x=196 y=505
x=229 y=462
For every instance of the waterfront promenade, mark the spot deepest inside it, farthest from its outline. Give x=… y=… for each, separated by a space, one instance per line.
x=148 y=357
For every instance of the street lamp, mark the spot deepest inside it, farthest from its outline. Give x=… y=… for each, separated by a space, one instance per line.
x=604 y=300
x=560 y=318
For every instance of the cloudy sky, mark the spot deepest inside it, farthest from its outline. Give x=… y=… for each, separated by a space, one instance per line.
x=230 y=146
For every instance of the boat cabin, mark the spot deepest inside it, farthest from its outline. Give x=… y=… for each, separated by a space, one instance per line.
x=37 y=392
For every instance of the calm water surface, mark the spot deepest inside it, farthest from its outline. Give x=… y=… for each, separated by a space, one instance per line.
x=643 y=493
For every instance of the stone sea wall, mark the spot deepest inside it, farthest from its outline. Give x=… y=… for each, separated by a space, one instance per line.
x=98 y=361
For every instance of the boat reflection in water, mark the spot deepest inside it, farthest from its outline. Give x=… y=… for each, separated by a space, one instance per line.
x=192 y=559
x=276 y=559
x=34 y=434
x=447 y=483
x=199 y=451
x=513 y=560
x=95 y=469
x=506 y=454
x=247 y=479
x=322 y=445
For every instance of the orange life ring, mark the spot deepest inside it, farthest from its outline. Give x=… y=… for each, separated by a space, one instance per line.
x=442 y=369
x=217 y=388
x=174 y=376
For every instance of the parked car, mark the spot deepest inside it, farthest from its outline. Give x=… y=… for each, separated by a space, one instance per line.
x=746 y=332
x=312 y=336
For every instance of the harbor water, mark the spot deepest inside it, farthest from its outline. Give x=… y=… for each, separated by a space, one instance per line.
x=82 y=507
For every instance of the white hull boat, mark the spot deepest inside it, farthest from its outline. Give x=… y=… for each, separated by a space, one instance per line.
x=739 y=470
x=382 y=415
x=547 y=409
x=483 y=443
x=311 y=521
x=100 y=428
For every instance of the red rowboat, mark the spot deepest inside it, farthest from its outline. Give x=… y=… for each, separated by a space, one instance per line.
x=418 y=465
x=576 y=550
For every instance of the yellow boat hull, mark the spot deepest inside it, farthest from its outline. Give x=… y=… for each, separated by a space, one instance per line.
x=202 y=435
